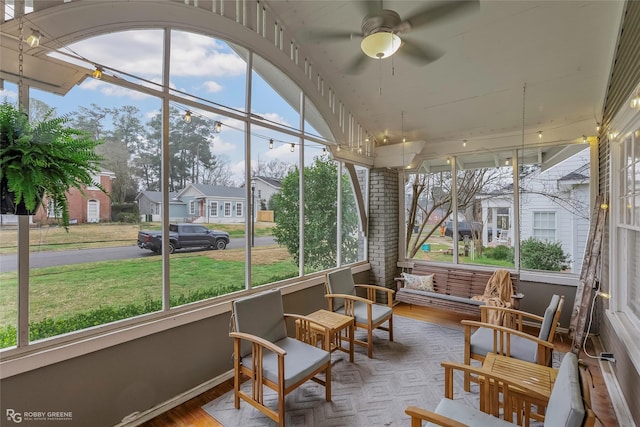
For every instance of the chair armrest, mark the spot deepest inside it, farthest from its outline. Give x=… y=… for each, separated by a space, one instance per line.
x=518 y=317
x=350 y=297
x=256 y=340
x=418 y=415
x=372 y=289
x=507 y=331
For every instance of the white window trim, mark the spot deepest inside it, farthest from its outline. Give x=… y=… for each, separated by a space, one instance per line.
x=192 y=207
x=227 y=208
x=239 y=209
x=624 y=324
x=211 y=205
x=555 y=224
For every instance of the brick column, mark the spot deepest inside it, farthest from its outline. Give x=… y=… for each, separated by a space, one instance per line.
x=383 y=226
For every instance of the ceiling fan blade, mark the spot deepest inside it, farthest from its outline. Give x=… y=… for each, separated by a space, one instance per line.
x=440 y=10
x=328 y=36
x=420 y=54
x=357 y=64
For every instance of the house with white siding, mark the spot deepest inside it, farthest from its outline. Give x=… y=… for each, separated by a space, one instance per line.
x=554 y=207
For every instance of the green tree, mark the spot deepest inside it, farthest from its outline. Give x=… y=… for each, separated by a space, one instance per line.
x=320 y=222
x=541 y=255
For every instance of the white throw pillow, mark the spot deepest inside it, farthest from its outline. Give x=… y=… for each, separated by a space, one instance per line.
x=421 y=283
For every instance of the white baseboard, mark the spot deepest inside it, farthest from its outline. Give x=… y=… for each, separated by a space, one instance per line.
x=137 y=418
x=620 y=407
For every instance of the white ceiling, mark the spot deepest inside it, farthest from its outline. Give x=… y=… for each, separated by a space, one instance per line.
x=560 y=50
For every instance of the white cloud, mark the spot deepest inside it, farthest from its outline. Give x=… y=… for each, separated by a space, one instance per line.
x=212 y=86
x=9 y=95
x=198 y=55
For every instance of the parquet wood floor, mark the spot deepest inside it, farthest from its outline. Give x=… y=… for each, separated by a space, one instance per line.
x=191 y=413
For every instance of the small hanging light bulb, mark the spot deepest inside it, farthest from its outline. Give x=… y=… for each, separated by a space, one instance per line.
x=97 y=73
x=506 y=162
x=187 y=116
x=338 y=148
x=324 y=152
x=359 y=150
x=539 y=134
x=218 y=127
x=293 y=147
x=464 y=142
x=448 y=161
x=585 y=139
x=598 y=127
x=404 y=139
x=270 y=144
x=34 y=38
x=385 y=140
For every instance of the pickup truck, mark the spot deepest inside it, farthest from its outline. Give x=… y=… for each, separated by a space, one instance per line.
x=184 y=236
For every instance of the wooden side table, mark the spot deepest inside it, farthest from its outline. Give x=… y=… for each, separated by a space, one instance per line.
x=337 y=323
x=539 y=378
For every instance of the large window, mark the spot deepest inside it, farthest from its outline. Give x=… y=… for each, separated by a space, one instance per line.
x=196 y=172
x=472 y=217
x=627 y=222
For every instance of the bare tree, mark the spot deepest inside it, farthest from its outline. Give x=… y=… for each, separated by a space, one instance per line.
x=431 y=195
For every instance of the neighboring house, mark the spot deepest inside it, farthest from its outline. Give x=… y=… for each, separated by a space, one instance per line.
x=199 y=203
x=555 y=207
x=265 y=188
x=150 y=206
x=90 y=205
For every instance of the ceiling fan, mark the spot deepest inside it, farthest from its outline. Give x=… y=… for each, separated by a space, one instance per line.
x=383 y=31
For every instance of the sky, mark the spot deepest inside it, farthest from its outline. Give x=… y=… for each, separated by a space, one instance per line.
x=208 y=68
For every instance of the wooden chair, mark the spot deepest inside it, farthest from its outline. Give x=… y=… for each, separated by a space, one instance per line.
x=511 y=341
x=569 y=403
x=264 y=352
x=367 y=314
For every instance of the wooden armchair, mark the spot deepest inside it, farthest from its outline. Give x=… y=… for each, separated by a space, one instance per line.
x=367 y=314
x=264 y=352
x=569 y=403
x=511 y=341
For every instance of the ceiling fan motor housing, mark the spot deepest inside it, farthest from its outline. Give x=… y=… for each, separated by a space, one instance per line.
x=384 y=21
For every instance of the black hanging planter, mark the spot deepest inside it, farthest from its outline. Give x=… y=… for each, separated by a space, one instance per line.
x=8 y=206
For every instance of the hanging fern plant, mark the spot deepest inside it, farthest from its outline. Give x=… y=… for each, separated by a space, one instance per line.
x=46 y=158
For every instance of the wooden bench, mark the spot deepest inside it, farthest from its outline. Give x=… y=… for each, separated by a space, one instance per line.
x=453 y=288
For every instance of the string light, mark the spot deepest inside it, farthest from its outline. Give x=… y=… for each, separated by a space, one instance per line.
x=324 y=152
x=293 y=147
x=271 y=144
x=464 y=142
x=539 y=134
x=187 y=116
x=585 y=139
x=635 y=101
x=338 y=148
x=217 y=127
x=598 y=127
x=385 y=140
x=97 y=73
x=34 y=38
x=506 y=162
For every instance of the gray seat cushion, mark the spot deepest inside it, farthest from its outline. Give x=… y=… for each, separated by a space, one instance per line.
x=547 y=321
x=521 y=348
x=301 y=360
x=262 y=315
x=442 y=296
x=378 y=312
x=566 y=408
x=340 y=282
x=460 y=412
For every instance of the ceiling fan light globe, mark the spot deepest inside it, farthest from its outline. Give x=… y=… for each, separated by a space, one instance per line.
x=380 y=45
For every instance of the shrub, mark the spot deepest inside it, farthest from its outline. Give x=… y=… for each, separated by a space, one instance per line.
x=501 y=252
x=541 y=255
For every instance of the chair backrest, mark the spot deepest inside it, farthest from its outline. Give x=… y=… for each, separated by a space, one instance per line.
x=551 y=318
x=261 y=314
x=566 y=407
x=340 y=282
